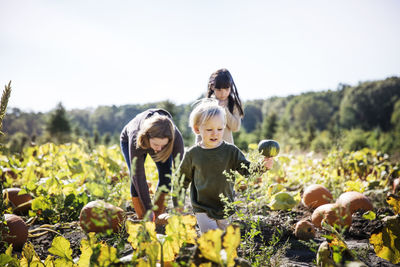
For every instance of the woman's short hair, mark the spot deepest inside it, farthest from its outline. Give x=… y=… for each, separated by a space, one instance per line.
x=157 y=126
x=205 y=109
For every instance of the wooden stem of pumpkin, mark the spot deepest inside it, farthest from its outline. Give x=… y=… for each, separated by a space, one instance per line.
x=46 y=231
x=31 y=221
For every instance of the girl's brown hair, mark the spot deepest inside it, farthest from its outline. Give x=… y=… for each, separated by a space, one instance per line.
x=157 y=126
x=222 y=78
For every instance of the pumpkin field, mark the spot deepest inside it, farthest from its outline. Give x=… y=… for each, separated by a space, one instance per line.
x=339 y=209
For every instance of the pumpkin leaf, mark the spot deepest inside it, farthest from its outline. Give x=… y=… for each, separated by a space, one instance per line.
x=369 y=215
x=61 y=247
x=179 y=229
x=86 y=253
x=230 y=243
x=108 y=255
x=29 y=257
x=394 y=201
x=6 y=259
x=210 y=245
x=49 y=262
x=387 y=242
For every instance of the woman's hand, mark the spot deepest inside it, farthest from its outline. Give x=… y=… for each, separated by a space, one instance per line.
x=268 y=162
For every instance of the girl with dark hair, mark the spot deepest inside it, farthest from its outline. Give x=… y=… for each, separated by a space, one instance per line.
x=150 y=132
x=222 y=87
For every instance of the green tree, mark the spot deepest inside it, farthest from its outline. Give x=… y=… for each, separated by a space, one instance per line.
x=269 y=126
x=370 y=104
x=96 y=137
x=253 y=116
x=106 y=139
x=395 y=118
x=58 y=125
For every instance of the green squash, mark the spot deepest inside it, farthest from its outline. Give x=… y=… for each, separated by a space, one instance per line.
x=269 y=148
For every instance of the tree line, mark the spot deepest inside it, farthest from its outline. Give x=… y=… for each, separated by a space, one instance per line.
x=348 y=117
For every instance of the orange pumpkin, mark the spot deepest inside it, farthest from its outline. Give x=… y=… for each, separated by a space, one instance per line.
x=316 y=195
x=99 y=216
x=354 y=201
x=304 y=230
x=21 y=202
x=17 y=231
x=332 y=214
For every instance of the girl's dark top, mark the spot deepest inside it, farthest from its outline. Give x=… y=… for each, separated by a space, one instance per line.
x=129 y=134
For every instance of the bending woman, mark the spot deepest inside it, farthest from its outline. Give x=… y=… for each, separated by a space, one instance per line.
x=150 y=132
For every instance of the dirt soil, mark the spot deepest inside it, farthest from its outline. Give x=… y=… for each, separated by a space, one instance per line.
x=297 y=253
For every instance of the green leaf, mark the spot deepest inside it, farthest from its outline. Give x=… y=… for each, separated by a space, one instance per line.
x=61 y=247
x=369 y=215
x=6 y=259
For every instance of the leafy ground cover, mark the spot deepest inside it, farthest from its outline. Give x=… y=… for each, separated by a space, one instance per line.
x=63 y=178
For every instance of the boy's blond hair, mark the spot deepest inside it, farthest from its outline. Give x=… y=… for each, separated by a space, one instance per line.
x=157 y=126
x=205 y=109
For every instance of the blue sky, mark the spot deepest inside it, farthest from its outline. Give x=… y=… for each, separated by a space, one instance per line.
x=90 y=53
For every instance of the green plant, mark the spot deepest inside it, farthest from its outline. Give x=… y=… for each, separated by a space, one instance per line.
x=3 y=107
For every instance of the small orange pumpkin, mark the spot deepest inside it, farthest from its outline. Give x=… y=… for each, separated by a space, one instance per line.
x=18 y=231
x=332 y=214
x=99 y=216
x=316 y=195
x=354 y=201
x=304 y=230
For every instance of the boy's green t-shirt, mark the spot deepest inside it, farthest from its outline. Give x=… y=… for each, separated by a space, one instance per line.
x=204 y=170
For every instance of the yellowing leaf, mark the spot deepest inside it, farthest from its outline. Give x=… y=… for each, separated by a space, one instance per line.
x=357 y=185
x=29 y=256
x=183 y=227
x=170 y=250
x=86 y=253
x=63 y=262
x=337 y=242
x=253 y=146
x=394 y=201
x=9 y=250
x=151 y=230
x=133 y=229
x=274 y=188
x=282 y=201
x=143 y=237
x=386 y=243
x=180 y=229
x=230 y=243
x=210 y=245
x=153 y=251
x=143 y=263
x=108 y=255
x=49 y=262
x=61 y=247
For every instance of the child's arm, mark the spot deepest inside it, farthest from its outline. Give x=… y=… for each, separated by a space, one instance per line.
x=268 y=162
